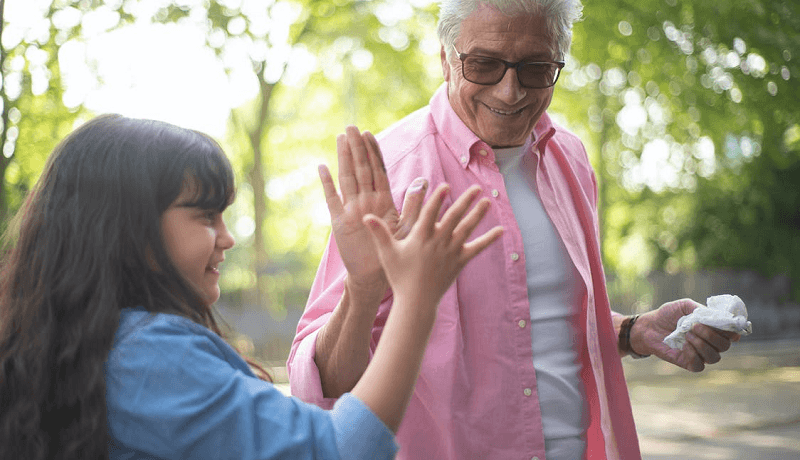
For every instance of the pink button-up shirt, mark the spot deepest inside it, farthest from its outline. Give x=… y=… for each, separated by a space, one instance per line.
x=476 y=394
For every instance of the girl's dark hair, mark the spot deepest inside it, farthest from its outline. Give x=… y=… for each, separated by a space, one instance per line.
x=86 y=243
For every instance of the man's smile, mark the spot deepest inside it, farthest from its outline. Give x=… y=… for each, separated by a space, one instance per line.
x=504 y=112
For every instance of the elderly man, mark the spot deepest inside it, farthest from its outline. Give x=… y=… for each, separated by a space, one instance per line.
x=524 y=357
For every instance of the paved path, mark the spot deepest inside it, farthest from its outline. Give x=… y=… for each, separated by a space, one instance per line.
x=747 y=406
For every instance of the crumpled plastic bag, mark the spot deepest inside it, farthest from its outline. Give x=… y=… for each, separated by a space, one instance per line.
x=726 y=312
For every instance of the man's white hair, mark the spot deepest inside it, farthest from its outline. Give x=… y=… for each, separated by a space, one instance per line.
x=559 y=15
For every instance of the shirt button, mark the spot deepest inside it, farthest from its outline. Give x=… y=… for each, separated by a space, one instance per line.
x=464 y=159
x=527 y=392
x=483 y=152
x=495 y=193
x=514 y=256
x=534 y=458
x=522 y=323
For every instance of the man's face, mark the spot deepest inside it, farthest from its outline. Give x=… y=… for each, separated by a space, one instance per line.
x=502 y=115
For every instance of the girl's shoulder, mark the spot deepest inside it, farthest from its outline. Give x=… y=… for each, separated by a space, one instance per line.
x=137 y=320
x=174 y=389
x=141 y=335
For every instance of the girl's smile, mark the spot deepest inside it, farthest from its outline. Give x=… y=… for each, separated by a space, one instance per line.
x=196 y=240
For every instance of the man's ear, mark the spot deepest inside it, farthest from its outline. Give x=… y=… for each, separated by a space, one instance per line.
x=445 y=65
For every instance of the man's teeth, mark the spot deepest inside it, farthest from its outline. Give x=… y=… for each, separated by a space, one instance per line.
x=503 y=112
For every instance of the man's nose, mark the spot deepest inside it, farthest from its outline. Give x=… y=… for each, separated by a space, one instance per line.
x=509 y=90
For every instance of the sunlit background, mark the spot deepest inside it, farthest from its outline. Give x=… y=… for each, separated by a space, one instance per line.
x=688 y=110
x=673 y=112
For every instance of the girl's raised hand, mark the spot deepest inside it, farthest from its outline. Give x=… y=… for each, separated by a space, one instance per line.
x=421 y=267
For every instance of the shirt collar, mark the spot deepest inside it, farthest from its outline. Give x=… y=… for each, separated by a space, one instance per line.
x=462 y=142
x=542 y=132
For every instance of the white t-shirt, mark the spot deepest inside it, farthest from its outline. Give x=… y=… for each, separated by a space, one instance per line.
x=554 y=293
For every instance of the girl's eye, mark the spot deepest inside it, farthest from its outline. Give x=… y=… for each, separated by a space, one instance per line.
x=210 y=216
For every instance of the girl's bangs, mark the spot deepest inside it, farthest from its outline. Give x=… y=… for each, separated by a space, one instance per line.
x=209 y=177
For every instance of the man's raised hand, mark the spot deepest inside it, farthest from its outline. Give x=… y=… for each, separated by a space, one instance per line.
x=365 y=190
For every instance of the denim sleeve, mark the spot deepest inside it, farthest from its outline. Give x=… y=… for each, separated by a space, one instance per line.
x=172 y=394
x=359 y=433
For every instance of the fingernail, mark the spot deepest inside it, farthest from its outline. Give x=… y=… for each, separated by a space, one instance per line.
x=418 y=184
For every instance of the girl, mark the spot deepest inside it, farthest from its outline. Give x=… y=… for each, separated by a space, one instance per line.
x=108 y=345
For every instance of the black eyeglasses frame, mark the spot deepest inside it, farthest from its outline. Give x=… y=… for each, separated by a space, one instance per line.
x=508 y=65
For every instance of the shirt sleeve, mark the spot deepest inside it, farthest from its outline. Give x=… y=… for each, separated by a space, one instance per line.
x=326 y=291
x=172 y=394
x=304 y=376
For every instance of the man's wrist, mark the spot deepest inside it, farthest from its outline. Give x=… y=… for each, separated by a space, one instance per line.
x=625 y=337
x=366 y=292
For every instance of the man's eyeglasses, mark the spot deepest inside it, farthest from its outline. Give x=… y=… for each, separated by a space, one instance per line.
x=484 y=70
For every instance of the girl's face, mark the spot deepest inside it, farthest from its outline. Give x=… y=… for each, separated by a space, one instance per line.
x=196 y=240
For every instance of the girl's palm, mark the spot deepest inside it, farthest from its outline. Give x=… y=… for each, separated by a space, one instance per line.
x=427 y=262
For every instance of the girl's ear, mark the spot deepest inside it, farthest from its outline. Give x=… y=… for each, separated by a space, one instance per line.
x=151 y=259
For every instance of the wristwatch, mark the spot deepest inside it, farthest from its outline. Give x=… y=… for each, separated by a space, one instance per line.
x=625 y=337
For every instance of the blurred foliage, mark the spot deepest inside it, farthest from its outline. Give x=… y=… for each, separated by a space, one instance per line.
x=34 y=116
x=688 y=111
x=320 y=65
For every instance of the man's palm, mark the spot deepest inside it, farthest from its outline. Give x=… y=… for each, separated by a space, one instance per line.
x=365 y=190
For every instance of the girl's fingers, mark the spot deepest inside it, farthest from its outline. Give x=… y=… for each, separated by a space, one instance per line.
x=430 y=211
x=379 y=232
x=347 y=177
x=331 y=197
x=456 y=212
x=361 y=161
x=474 y=247
x=379 y=177
x=467 y=224
x=412 y=205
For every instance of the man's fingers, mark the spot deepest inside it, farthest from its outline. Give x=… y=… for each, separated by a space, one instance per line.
x=688 y=306
x=361 y=161
x=331 y=197
x=347 y=178
x=706 y=352
x=412 y=205
x=709 y=342
x=691 y=357
x=379 y=177
x=718 y=339
x=730 y=335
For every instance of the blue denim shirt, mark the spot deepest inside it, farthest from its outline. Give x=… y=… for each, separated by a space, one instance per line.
x=176 y=390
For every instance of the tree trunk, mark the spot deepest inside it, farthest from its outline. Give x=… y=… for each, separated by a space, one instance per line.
x=257 y=176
